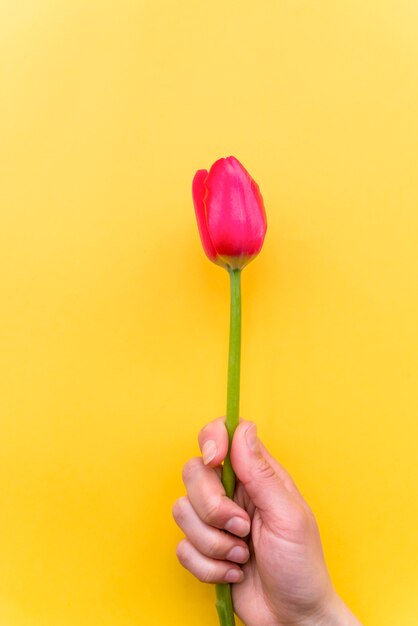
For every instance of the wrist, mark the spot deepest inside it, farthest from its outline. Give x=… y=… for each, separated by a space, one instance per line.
x=332 y=612
x=335 y=613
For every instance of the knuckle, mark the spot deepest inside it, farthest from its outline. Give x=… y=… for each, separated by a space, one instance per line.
x=312 y=521
x=182 y=553
x=210 y=513
x=206 y=575
x=288 y=483
x=264 y=470
x=213 y=548
x=300 y=519
x=190 y=468
x=308 y=512
x=179 y=509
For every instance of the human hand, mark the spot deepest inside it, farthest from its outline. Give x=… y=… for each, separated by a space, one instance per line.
x=266 y=540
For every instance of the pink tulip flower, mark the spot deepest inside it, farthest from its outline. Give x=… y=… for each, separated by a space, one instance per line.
x=230 y=213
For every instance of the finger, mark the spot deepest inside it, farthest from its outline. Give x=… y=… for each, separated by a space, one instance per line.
x=205 y=569
x=213 y=442
x=263 y=480
x=209 y=541
x=207 y=496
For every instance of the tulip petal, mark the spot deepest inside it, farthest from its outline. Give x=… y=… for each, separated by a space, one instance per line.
x=199 y=192
x=236 y=217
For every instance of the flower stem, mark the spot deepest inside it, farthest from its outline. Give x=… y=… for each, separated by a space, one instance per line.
x=223 y=592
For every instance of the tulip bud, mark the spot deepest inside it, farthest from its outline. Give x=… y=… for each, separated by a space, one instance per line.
x=230 y=213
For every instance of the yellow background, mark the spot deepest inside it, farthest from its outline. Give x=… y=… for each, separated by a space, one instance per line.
x=113 y=324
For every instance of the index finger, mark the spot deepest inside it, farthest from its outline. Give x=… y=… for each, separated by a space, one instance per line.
x=213 y=442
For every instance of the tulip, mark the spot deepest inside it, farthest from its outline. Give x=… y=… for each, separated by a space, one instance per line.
x=232 y=225
x=230 y=213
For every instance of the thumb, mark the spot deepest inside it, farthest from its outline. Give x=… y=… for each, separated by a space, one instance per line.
x=256 y=470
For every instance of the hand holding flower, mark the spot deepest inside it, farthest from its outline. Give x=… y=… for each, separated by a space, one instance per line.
x=232 y=225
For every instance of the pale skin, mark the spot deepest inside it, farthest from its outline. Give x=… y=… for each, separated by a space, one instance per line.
x=265 y=541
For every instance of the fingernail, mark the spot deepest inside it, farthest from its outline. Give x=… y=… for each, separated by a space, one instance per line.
x=238 y=554
x=234 y=576
x=209 y=451
x=251 y=437
x=238 y=526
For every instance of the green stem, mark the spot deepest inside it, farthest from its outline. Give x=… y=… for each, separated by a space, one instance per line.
x=223 y=592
